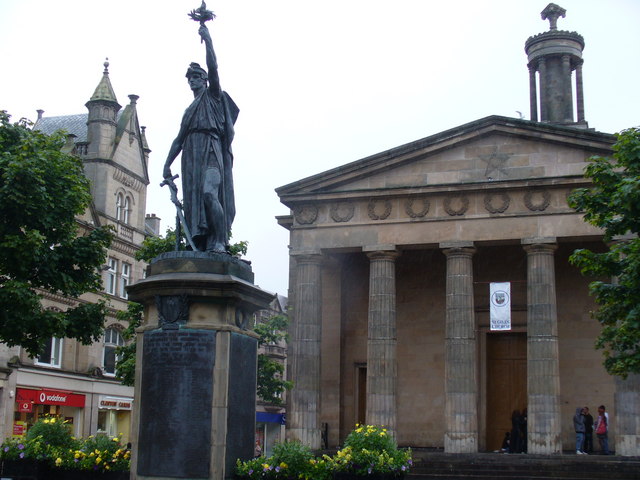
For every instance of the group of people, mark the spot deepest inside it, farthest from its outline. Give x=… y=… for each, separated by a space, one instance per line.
x=585 y=426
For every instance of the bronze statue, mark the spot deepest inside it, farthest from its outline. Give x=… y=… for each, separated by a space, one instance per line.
x=205 y=137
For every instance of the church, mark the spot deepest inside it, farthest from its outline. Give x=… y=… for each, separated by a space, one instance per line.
x=392 y=262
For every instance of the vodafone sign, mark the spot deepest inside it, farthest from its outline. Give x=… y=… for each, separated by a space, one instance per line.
x=49 y=397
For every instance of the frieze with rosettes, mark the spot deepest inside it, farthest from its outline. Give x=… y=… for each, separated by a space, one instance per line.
x=305 y=214
x=377 y=213
x=342 y=211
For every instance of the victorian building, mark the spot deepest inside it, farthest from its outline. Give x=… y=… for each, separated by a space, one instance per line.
x=69 y=379
x=391 y=262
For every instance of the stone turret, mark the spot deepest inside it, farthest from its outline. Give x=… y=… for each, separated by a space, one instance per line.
x=555 y=54
x=101 y=125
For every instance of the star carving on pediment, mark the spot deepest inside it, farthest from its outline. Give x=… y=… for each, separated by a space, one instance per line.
x=495 y=163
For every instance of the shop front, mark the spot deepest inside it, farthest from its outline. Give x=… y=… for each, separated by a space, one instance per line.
x=32 y=404
x=114 y=416
x=269 y=431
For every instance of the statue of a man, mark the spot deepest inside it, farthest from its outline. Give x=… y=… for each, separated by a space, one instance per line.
x=205 y=137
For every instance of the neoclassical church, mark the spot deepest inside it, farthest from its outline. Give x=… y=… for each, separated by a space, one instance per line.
x=74 y=381
x=391 y=261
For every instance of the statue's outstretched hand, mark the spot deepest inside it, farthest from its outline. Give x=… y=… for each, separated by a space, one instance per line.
x=166 y=173
x=204 y=32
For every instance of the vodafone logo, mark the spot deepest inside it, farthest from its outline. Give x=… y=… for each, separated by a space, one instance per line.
x=52 y=398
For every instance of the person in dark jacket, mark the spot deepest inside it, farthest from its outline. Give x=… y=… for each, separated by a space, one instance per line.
x=588 y=431
x=578 y=425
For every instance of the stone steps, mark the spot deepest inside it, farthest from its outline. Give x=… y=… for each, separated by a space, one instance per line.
x=442 y=466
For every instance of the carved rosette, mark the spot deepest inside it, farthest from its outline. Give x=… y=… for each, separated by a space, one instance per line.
x=342 y=211
x=408 y=207
x=456 y=204
x=537 y=200
x=371 y=209
x=305 y=214
x=496 y=202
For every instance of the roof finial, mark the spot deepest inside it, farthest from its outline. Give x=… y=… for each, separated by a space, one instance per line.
x=551 y=13
x=106 y=66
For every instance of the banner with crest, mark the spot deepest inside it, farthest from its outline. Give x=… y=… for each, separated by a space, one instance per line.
x=500 y=306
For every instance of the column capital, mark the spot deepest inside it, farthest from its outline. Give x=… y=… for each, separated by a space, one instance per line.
x=457 y=248
x=307 y=256
x=381 y=252
x=539 y=244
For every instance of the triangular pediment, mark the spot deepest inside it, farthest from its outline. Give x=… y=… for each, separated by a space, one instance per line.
x=489 y=150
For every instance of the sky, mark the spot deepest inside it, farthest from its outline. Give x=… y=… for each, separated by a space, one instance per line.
x=318 y=83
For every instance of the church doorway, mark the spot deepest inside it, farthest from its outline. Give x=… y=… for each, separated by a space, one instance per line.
x=506 y=383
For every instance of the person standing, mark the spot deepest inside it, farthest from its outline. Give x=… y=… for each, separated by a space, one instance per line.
x=578 y=425
x=602 y=430
x=515 y=444
x=588 y=431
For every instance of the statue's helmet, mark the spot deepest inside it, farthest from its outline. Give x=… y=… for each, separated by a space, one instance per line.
x=196 y=69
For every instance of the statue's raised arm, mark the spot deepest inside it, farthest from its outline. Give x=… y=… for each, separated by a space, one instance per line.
x=212 y=62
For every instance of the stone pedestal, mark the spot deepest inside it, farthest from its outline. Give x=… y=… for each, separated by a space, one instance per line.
x=195 y=391
x=627 y=418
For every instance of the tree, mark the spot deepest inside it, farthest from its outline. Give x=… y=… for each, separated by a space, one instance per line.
x=271 y=383
x=613 y=204
x=42 y=189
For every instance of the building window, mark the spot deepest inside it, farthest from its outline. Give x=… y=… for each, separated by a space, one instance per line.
x=125 y=277
x=51 y=354
x=112 y=340
x=110 y=281
x=123 y=208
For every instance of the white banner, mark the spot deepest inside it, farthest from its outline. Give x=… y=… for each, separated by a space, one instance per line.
x=500 y=306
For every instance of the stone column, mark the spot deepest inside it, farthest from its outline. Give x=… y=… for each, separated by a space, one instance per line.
x=382 y=367
x=567 y=98
x=627 y=418
x=303 y=409
x=533 y=96
x=461 y=384
x=543 y=374
x=579 y=93
x=544 y=97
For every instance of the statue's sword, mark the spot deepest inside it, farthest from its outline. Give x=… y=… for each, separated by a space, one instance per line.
x=169 y=181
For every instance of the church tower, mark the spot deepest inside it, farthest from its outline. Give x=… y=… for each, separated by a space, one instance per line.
x=101 y=125
x=555 y=55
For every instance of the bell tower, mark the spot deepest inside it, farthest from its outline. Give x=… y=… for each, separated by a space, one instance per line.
x=555 y=55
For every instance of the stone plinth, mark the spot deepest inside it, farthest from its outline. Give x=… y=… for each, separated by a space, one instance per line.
x=195 y=390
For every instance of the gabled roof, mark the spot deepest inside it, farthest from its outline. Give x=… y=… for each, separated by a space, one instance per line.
x=597 y=142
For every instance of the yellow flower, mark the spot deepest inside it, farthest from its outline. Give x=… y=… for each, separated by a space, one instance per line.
x=283 y=465
x=58 y=461
x=46 y=420
x=98 y=460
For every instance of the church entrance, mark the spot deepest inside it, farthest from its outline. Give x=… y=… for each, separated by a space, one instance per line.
x=506 y=383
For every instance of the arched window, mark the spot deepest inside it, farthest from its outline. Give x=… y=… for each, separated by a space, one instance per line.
x=126 y=209
x=112 y=340
x=119 y=206
x=123 y=208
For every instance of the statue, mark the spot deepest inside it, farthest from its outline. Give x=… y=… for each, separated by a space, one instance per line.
x=205 y=137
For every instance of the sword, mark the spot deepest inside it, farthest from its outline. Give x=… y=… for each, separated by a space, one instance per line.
x=169 y=181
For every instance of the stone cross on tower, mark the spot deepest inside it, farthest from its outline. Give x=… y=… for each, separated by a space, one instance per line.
x=552 y=12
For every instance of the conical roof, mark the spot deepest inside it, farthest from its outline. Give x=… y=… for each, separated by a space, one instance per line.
x=104 y=90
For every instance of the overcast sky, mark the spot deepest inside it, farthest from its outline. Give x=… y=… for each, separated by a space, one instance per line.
x=318 y=83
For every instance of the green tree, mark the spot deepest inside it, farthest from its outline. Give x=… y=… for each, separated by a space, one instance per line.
x=271 y=383
x=612 y=203
x=42 y=190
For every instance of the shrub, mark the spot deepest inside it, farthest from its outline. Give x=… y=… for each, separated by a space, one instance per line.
x=290 y=461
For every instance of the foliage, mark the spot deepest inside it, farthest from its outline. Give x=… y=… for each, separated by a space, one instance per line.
x=290 y=460
x=271 y=384
x=50 y=440
x=153 y=246
x=613 y=204
x=42 y=190
x=126 y=354
x=369 y=449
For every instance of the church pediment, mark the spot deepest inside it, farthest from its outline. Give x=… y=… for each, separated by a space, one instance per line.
x=492 y=150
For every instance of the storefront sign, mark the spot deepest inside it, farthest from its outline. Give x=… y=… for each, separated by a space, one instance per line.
x=26 y=407
x=49 y=397
x=19 y=429
x=115 y=403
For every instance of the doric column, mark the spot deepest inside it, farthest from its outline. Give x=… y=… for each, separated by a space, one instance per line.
x=461 y=386
x=543 y=374
x=381 y=340
x=627 y=426
x=533 y=95
x=579 y=93
x=303 y=410
x=567 y=99
x=544 y=97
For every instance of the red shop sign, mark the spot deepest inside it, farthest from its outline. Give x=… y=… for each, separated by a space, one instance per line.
x=49 y=397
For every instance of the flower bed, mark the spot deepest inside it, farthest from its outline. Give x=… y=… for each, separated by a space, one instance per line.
x=369 y=451
x=51 y=452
